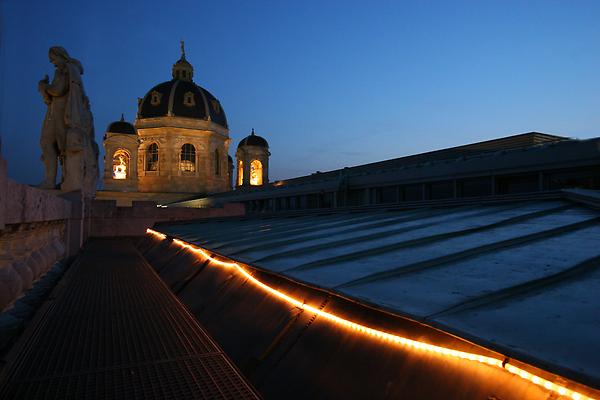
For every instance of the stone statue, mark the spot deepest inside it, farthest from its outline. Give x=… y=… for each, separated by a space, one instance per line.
x=68 y=129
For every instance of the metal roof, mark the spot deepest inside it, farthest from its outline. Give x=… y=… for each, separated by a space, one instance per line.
x=112 y=330
x=521 y=277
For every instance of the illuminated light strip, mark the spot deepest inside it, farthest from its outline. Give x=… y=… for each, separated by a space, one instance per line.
x=159 y=235
x=403 y=341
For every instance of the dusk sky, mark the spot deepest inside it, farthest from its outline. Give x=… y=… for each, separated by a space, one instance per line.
x=328 y=83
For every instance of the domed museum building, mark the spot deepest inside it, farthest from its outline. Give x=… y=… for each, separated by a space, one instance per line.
x=178 y=143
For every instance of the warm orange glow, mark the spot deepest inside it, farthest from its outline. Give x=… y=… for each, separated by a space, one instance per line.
x=120 y=162
x=159 y=235
x=384 y=336
x=240 y=172
x=256 y=173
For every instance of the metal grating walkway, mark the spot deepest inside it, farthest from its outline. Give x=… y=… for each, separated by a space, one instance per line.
x=112 y=329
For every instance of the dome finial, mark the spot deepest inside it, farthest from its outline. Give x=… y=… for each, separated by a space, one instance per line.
x=122 y=117
x=252 y=132
x=182 y=69
x=182 y=46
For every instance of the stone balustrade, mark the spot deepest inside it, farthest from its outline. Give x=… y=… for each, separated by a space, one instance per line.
x=35 y=229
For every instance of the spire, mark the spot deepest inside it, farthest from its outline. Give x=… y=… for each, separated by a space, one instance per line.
x=182 y=69
x=181 y=44
x=252 y=132
x=122 y=117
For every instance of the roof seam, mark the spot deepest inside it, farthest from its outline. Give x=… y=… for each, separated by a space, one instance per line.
x=469 y=253
x=432 y=238
x=524 y=289
x=172 y=99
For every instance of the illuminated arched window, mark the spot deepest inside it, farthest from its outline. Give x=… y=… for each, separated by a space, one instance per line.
x=240 y=172
x=256 y=173
x=188 y=158
x=152 y=157
x=120 y=162
x=217 y=163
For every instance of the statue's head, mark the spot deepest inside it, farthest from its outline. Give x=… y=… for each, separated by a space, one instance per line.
x=58 y=56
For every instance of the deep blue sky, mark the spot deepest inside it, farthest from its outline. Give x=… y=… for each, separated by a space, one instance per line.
x=328 y=83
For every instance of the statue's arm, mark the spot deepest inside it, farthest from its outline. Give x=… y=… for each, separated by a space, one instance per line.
x=58 y=87
x=42 y=89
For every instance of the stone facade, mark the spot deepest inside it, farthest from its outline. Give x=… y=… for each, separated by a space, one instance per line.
x=202 y=170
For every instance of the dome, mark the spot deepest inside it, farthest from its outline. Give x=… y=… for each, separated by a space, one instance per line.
x=121 y=126
x=254 y=140
x=181 y=97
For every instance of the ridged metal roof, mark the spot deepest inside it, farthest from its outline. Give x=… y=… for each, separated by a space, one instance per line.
x=522 y=277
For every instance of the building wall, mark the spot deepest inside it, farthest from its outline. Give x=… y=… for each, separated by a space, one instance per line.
x=170 y=134
x=108 y=220
x=563 y=164
x=169 y=177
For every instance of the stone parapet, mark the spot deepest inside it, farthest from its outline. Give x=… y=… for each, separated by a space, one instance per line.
x=26 y=204
x=27 y=251
x=34 y=235
x=108 y=220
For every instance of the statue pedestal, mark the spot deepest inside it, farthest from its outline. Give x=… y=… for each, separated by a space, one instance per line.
x=73 y=172
x=74 y=164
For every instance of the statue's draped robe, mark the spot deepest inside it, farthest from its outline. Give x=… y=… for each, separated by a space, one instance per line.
x=77 y=112
x=54 y=129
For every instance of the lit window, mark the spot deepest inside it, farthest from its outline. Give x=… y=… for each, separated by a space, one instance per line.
x=188 y=158
x=188 y=99
x=240 y=172
x=120 y=163
x=255 y=173
x=217 y=163
x=152 y=157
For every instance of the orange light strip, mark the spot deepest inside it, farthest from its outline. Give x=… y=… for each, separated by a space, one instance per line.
x=159 y=235
x=385 y=336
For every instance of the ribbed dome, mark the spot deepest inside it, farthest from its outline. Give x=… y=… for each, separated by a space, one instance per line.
x=180 y=98
x=253 y=140
x=121 y=126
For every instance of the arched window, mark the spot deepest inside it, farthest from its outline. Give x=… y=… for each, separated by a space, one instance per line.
x=256 y=173
x=217 y=163
x=152 y=157
x=120 y=162
x=240 y=172
x=188 y=158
